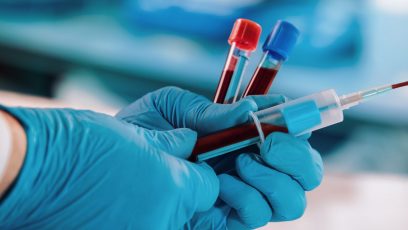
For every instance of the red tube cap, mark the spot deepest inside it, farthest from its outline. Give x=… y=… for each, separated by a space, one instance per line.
x=245 y=34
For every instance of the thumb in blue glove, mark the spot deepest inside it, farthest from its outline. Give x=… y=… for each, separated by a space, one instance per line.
x=172 y=107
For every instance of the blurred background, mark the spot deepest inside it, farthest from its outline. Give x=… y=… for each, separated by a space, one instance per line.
x=111 y=52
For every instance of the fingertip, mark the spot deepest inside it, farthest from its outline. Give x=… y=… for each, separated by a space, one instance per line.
x=188 y=140
x=216 y=218
x=240 y=112
x=234 y=222
x=279 y=136
x=317 y=177
x=269 y=147
x=312 y=183
x=243 y=160
x=246 y=164
x=291 y=209
x=222 y=116
x=249 y=104
x=281 y=150
x=243 y=107
x=286 y=196
x=294 y=157
x=189 y=134
x=266 y=101
x=288 y=217
x=253 y=210
x=177 y=142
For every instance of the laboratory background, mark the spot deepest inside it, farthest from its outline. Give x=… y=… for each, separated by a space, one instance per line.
x=104 y=54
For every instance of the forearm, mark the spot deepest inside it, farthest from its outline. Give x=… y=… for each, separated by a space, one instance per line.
x=16 y=151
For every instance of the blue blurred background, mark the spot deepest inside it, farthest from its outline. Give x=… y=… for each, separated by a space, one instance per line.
x=111 y=52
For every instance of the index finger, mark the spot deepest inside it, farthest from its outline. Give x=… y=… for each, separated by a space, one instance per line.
x=294 y=157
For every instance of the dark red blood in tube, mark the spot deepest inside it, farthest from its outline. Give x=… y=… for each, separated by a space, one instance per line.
x=223 y=86
x=399 y=85
x=225 y=81
x=231 y=136
x=260 y=82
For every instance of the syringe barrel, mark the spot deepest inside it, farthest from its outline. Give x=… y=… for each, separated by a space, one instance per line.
x=305 y=114
x=297 y=117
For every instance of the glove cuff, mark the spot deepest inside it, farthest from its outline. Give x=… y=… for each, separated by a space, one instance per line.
x=5 y=147
x=20 y=199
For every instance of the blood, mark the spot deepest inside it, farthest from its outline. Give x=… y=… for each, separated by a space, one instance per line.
x=402 y=84
x=225 y=81
x=231 y=136
x=223 y=85
x=261 y=81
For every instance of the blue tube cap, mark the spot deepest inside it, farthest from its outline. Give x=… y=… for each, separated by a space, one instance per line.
x=301 y=117
x=281 y=40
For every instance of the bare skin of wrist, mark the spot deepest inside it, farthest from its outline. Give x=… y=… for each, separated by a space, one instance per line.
x=18 y=151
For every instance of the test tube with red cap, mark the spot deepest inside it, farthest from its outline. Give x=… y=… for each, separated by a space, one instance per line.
x=243 y=40
x=277 y=47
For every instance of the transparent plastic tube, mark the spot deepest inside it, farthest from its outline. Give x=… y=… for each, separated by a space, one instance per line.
x=277 y=48
x=297 y=117
x=264 y=75
x=243 y=40
x=231 y=77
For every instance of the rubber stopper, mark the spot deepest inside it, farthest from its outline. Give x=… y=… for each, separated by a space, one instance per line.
x=281 y=40
x=245 y=34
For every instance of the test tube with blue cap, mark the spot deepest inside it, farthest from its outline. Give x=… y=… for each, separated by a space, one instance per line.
x=243 y=40
x=276 y=48
x=297 y=117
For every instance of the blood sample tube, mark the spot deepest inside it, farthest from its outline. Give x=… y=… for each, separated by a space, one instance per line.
x=243 y=40
x=276 y=49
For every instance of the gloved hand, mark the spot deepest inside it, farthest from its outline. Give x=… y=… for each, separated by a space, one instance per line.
x=85 y=170
x=261 y=189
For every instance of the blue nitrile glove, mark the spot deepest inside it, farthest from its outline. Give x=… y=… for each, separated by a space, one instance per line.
x=85 y=170
x=261 y=189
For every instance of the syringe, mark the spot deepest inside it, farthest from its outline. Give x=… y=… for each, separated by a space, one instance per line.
x=297 y=117
x=243 y=40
